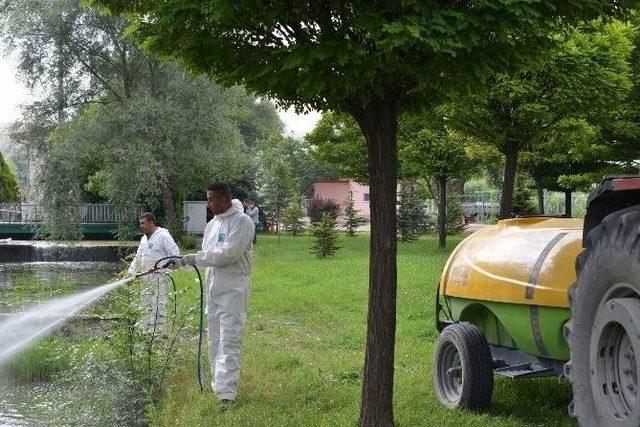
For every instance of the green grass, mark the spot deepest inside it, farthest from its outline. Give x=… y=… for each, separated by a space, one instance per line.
x=39 y=362
x=303 y=348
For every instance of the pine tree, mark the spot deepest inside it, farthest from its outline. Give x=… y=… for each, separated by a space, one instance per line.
x=352 y=219
x=411 y=217
x=291 y=217
x=454 y=215
x=325 y=242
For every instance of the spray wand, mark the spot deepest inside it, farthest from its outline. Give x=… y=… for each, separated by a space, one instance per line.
x=171 y=261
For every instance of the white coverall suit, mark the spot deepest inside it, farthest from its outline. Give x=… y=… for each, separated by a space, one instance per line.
x=153 y=295
x=227 y=254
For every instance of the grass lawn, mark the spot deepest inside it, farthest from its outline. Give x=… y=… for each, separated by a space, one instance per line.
x=304 y=348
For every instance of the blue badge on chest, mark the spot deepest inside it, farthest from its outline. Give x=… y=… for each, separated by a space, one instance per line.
x=150 y=245
x=221 y=237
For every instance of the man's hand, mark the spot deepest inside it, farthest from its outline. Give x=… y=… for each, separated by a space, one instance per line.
x=188 y=260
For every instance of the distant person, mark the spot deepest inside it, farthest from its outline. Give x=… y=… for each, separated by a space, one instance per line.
x=227 y=255
x=253 y=212
x=156 y=243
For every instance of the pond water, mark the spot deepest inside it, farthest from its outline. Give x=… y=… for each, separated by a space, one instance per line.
x=36 y=403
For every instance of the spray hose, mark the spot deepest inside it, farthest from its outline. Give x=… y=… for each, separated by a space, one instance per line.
x=171 y=260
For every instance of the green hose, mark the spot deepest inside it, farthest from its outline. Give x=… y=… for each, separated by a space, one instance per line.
x=201 y=317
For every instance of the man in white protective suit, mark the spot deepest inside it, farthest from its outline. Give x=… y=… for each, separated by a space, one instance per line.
x=156 y=243
x=227 y=255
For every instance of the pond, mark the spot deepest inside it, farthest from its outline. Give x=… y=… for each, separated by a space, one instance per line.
x=32 y=393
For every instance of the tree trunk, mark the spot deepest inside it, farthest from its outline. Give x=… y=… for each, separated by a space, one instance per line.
x=442 y=212
x=60 y=74
x=567 y=203
x=540 y=190
x=169 y=204
x=510 y=169
x=379 y=124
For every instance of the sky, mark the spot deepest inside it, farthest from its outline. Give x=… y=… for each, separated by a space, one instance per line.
x=13 y=93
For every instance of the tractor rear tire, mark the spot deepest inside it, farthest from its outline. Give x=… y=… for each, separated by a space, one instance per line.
x=604 y=331
x=463 y=368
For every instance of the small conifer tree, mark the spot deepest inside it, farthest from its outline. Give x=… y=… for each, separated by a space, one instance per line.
x=411 y=216
x=325 y=237
x=291 y=218
x=455 y=215
x=351 y=218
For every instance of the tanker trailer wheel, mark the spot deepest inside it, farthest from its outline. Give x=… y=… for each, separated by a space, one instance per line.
x=604 y=331
x=463 y=368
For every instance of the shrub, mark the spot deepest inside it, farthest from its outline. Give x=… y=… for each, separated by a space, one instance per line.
x=325 y=242
x=189 y=242
x=318 y=207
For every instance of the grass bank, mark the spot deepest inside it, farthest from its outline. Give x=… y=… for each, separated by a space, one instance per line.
x=303 y=349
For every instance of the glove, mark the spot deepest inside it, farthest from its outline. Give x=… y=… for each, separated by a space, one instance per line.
x=188 y=260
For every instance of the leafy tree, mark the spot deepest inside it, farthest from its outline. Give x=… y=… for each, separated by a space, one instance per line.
x=276 y=182
x=9 y=190
x=351 y=218
x=176 y=140
x=337 y=140
x=584 y=77
x=371 y=61
x=325 y=236
x=429 y=149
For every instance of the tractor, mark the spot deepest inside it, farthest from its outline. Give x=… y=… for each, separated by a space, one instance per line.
x=548 y=296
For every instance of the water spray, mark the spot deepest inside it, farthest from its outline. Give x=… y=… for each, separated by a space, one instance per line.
x=26 y=328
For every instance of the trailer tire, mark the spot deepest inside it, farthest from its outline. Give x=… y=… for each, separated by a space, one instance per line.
x=463 y=368
x=604 y=331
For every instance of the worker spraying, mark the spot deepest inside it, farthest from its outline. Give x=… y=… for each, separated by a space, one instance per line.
x=156 y=243
x=227 y=256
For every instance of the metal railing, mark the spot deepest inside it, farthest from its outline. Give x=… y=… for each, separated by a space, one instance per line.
x=88 y=213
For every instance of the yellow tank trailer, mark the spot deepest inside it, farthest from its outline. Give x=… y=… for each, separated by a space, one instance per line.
x=513 y=280
x=541 y=296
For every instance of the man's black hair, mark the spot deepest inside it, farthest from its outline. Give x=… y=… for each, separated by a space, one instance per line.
x=221 y=188
x=149 y=217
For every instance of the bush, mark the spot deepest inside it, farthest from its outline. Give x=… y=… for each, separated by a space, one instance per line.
x=318 y=207
x=189 y=242
x=325 y=242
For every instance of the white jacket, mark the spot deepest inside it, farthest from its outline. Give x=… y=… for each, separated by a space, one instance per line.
x=159 y=245
x=227 y=244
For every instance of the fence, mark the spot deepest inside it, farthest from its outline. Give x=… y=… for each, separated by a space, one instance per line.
x=485 y=205
x=26 y=213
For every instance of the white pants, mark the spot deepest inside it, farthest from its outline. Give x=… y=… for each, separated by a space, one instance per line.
x=153 y=300
x=226 y=316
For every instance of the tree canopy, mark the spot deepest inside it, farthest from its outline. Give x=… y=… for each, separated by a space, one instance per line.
x=9 y=191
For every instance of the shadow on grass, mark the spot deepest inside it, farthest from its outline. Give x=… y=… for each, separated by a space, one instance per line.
x=540 y=401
